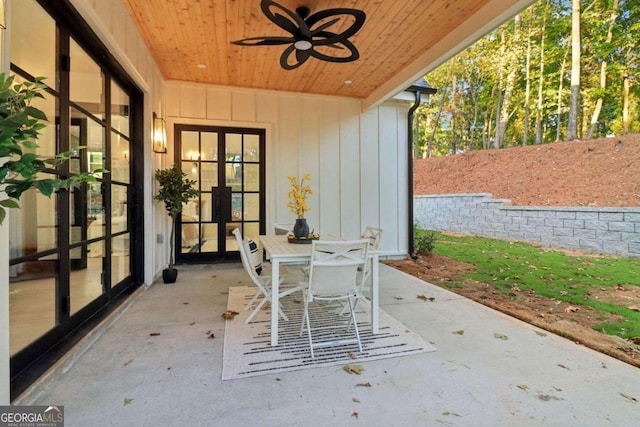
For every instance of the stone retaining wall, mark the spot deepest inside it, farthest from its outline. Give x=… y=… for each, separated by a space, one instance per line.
x=602 y=230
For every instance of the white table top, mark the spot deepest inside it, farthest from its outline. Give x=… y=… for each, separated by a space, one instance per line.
x=278 y=246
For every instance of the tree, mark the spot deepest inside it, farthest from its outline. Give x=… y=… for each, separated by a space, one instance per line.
x=175 y=191
x=603 y=74
x=574 y=103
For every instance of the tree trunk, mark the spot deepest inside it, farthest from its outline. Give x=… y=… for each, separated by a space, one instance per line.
x=603 y=74
x=454 y=112
x=502 y=118
x=560 y=89
x=540 y=105
x=171 y=242
x=572 y=125
x=625 y=102
x=527 y=92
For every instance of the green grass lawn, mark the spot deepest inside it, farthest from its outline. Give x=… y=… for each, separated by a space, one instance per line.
x=548 y=273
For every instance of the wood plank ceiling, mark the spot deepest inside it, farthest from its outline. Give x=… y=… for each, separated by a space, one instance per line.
x=397 y=36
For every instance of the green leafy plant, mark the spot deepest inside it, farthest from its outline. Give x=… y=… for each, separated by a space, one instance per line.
x=424 y=240
x=175 y=190
x=20 y=123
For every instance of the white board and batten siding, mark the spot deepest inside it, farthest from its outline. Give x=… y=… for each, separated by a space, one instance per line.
x=357 y=160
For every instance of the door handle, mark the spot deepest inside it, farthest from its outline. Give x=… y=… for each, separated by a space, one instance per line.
x=221 y=204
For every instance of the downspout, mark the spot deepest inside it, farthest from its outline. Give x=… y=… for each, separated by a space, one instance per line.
x=412 y=252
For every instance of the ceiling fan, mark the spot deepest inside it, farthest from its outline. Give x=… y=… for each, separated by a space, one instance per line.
x=306 y=36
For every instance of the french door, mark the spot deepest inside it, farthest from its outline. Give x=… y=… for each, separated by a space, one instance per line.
x=227 y=165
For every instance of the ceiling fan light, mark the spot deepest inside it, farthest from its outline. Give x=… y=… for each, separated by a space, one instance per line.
x=303 y=45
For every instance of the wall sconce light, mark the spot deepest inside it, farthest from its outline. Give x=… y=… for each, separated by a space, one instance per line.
x=159 y=135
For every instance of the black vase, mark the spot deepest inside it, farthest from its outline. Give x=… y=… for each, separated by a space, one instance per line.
x=301 y=228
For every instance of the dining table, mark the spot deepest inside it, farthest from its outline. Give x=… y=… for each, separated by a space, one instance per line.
x=280 y=251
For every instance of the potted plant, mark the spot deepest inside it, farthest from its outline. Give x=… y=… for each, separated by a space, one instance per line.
x=174 y=191
x=297 y=205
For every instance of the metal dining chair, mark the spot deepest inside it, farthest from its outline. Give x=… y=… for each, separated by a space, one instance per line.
x=333 y=276
x=252 y=262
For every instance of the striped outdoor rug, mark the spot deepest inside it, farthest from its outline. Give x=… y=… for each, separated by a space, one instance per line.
x=248 y=353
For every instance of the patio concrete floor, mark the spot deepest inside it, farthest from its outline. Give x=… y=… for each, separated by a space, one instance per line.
x=499 y=372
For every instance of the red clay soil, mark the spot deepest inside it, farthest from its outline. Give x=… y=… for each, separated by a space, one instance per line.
x=602 y=173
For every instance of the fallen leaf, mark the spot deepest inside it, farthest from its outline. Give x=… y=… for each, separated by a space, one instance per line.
x=185 y=303
x=128 y=362
x=571 y=309
x=213 y=276
x=192 y=323
x=229 y=314
x=352 y=355
x=634 y=308
x=210 y=335
x=354 y=414
x=459 y=332
x=618 y=288
x=541 y=334
x=631 y=398
x=422 y=297
x=367 y=384
x=154 y=334
x=563 y=367
x=446 y=413
x=128 y=400
x=523 y=387
x=500 y=336
x=355 y=399
x=398 y=298
x=353 y=369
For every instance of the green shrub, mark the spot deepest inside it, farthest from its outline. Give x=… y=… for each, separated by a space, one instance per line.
x=424 y=240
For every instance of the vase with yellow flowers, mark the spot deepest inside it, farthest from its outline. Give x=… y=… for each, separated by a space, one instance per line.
x=300 y=191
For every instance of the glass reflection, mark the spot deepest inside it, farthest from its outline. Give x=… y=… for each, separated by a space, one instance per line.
x=190 y=150
x=33 y=227
x=85 y=280
x=32 y=300
x=209 y=175
x=252 y=229
x=209 y=146
x=120 y=259
x=190 y=239
x=209 y=238
x=118 y=208
x=34 y=51
x=86 y=81
x=251 y=177
x=251 y=207
x=120 y=158
x=119 y=109
x=251 y=152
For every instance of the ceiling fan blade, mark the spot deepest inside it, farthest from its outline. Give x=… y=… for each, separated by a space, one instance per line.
x=292 y=25
x=358 y=15
x=347 y=44
x=264 y=41
x=323 y=26
x=301 y=57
